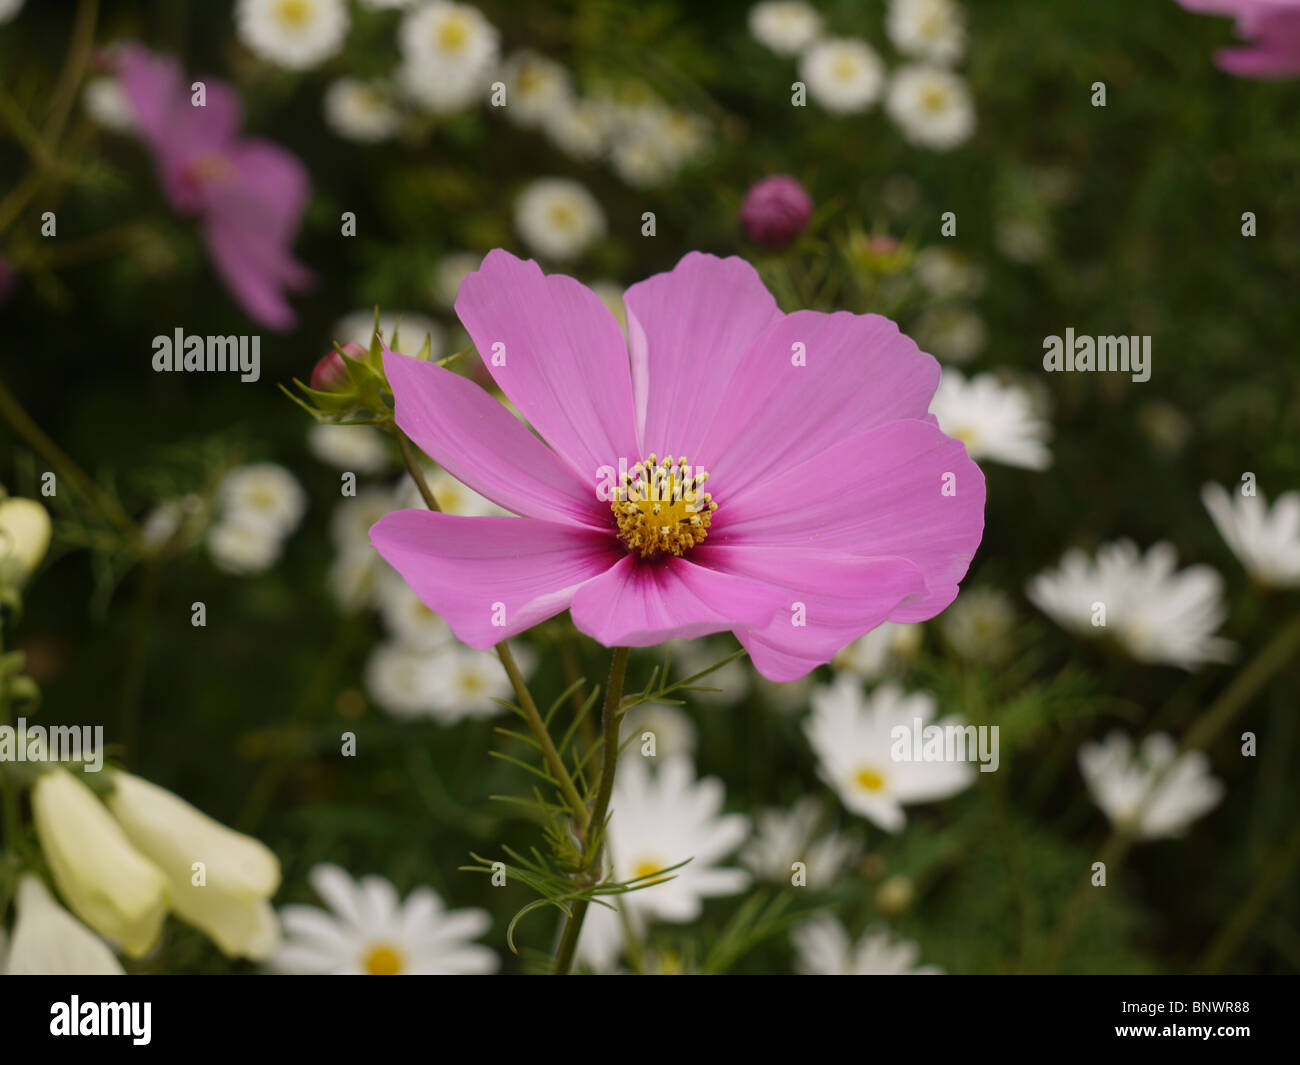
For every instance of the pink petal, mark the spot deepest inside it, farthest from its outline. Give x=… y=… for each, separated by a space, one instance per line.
x=479 y=442
x=1259 y=61
x=565 y=362
x=688 y=330
x=476 y=572
x=879 y=494
x=639 y=604
x=840 y=597
x=256 y=269
x=272 y=186
x=859 y=372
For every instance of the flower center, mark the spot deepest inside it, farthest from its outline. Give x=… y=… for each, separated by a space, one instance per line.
x=209 y=167
x=660 y=509
x=453 y=34
x=934 y=100
x=645 y=868
x=383 y=959
x=869 y=779
x=295 y=13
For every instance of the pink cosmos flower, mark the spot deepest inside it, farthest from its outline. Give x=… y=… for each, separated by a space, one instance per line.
x=248 y=194
x=1271 y=26
x=834 y=503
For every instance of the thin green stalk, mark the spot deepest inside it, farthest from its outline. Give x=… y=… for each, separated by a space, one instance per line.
x=413 y=467
x=1219 y=951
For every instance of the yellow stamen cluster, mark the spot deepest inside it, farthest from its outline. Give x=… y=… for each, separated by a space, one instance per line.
x=660 y=509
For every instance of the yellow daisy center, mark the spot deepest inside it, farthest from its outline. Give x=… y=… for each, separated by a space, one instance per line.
x=934 y=100
x=383 y=959
x=646 y=868
x=452 y=34
x=660 y=509
x=869 y=779
x=295 y=13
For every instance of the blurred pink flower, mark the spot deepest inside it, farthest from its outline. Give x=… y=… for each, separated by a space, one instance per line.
x=775 y=210
x=1272 y=28
x=248 y=194
x=839 y=503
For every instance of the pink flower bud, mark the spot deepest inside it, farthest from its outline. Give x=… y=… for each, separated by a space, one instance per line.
x=775 y=210
x=330 y=374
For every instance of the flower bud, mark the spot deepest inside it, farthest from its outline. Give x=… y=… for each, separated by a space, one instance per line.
x=775 y=210
x=330 y=374
x=104 y=880
x=219 y=880
x=24 y=538
x=49 y=941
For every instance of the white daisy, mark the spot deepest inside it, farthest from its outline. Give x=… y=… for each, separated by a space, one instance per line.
x=369 y=931
x=448 y=40
x=783 y=837
x=580 y=128
x=886 y=648
x=843 y=74
x=994 y=421
x=412 y=331
x=558 y=218
x=354 y=576
x=1121 y=785
x=947 y=273
x=953 y=334
x=536 y=87
x=49 y=941
x=669 y=727
x=468 y=683
x=656 y=821
x=1155 y=614
x=352 y=518
x=361 y=111
x=265 y=493
x=654 y=144
x=106 y=104
x=450 y=272
x=456 y=498
x=1266 y=541
x=408 y=621
x=356 y=448
x=297 y=34
x=927 y=29
x=443 y=92
x=402 y=681
x=243 y=546
x=851 y=735
x=785 y=26
x=978 y=625
x=824 y=949
x=932 y=106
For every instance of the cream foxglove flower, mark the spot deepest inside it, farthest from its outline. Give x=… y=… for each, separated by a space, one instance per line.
x=932 y=107
x=1155 y=614
x=787 y=27
x=1120 y=784
x=297 y=34
x=24 y=538
x=851 y=734
x=927 y=29
x=49 y=941
x=370 y=931
x=219 y=880
x=843 y=74
x=824 y=949
x=102 y=877
x=558 y=218
x=1266 y=541
x=994 y=421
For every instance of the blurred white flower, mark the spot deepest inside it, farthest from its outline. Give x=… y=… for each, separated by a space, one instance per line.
x=927 y=29
x=947 y=273
x=263 y=493
x=558 y=218
x=355 y=448
x=1121 y=785
x=536 y=88
x=882 y=650
x=694 y=656
x=369 y=931
x=296 y=34
x=783 y=837
x=450 y=272
x=843 y=74
x=994 y=421
x=1023 y=240
x=412 y=330
x=354 y=576
x=408 y=621
x=106 y=104
x=243 y=546
x=655 y=143
x=670 y=727
x=173 y=518
x=352 y=518
x=579 y=127
x=361 y=111
x=850 y=734
x=1266 y=541
x=1155 y=614
x=953 y=334
x=466 y=683
x=49 y=941
x=932 y=107
x=978 y=625
x=454 y=497
x=787 y=27
x=824 y=949
x=448 y=52
x=443 y=93
x=8 y=9
x=402 y=681
x=656 y=821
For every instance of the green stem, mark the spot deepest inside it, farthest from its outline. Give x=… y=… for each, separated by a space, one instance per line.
x=593 y=842
x=413 y=467
x=1249 y=911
